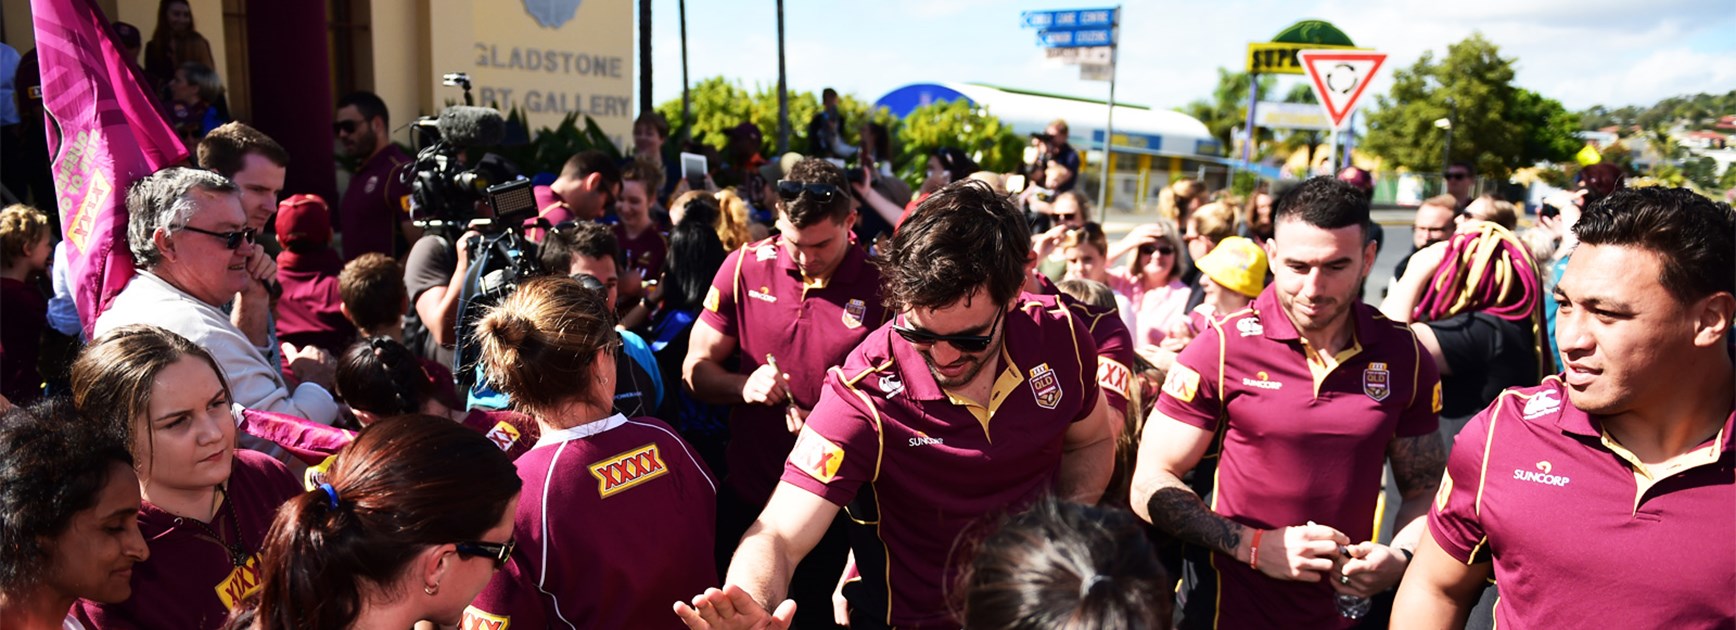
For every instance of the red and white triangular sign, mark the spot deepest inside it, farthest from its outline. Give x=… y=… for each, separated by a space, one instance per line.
x=1339 y=78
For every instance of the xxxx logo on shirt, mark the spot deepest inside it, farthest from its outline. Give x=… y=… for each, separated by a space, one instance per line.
x=1045 y=386
x=817 y=456
x=711 y=300
x=623 y=471
x=503 y=435
x=1181 y=383
x=475 y=619
x=1375 y=381
x=241 y=584
x=1115 y=377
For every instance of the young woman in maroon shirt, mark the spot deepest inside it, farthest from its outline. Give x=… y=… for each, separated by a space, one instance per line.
x=69 y=505
x=206 y=504
x=397 y=534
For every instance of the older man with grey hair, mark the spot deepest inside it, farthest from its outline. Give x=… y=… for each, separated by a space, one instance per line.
x=194 y=252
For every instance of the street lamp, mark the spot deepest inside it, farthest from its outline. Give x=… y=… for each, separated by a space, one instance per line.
x=1447 y=148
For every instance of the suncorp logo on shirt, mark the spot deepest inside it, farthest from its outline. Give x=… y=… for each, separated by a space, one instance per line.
x=1540 y=477
x=1261 y=381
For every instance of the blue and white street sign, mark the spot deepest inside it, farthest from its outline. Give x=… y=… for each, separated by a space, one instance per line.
x=1078 y=38
x=1066 y=19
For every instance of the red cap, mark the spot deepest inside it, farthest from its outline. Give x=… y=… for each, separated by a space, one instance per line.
x=304 y=219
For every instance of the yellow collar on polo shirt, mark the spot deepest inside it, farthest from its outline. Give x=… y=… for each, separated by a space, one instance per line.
x=1645 y=477
x=1005 y=383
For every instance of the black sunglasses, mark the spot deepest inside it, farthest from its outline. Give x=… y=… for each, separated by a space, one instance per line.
x=231 y=240
x=498 y=552
x=1458 y=175
x=964 y=343
x=345 y=126
x=823 y=193
x=1147 y=250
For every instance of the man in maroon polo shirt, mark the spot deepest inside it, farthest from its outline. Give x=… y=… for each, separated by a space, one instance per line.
x=803 y=298
x=1604 y=496
x=377 y=203
x=1308 y=393
x=970 y=403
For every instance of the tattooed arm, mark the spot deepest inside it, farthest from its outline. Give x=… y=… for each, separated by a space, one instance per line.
x=1167 y=450
x=1417 y=464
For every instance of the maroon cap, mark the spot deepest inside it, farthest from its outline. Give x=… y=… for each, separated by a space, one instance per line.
x=1357 y=177
x=744 y=128
x=304 y=219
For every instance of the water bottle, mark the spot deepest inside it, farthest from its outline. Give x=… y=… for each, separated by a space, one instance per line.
x=1353 y=607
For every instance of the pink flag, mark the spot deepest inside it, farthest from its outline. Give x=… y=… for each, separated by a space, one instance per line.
x=105 y=131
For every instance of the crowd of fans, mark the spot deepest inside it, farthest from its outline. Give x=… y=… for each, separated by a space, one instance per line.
x=811 y=398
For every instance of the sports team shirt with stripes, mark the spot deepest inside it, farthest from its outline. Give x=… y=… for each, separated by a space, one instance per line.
x=1583 y=534
x=1114 y=346
x=615 y=523
x=915 y=466
x=1300 y=440
x=760 y=297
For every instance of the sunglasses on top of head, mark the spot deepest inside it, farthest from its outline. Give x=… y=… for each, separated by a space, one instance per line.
x=498 y=552
x=231 y=240
x=824 y=193
x=964 y=343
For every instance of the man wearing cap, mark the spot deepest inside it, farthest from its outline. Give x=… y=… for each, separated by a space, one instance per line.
x=310 y=313
x=1604 y=496
x=787 y=308
x=742 y=156
x=1306 y=395
x=971 y=403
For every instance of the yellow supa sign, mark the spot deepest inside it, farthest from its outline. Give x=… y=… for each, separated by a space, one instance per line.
x=1280 y=57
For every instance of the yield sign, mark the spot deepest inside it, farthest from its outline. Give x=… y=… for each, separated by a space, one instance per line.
x=1339 y=78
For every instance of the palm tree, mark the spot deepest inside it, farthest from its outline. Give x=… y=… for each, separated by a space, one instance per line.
x=645 y=102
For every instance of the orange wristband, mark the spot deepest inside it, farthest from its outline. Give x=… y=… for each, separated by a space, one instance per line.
x=1254 y=550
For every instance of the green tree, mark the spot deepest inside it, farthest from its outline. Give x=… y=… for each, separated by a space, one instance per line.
x=1727 y=181
x=1496 y=125
x=1703 y=171
x=1227 y=108
x=988 y=141
x=719 y=105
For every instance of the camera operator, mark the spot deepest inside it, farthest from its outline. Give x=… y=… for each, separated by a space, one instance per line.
x=1053 y=148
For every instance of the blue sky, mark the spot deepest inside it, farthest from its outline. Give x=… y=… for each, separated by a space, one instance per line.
x=1581 y=52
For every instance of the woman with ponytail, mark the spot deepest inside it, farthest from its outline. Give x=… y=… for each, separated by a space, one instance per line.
x=1475 y=302
x=206 y=504
x=412 y=520
x=618 y=513
x=380 y=378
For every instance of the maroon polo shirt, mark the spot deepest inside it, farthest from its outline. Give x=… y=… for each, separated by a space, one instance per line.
x=189 y=581
x=646 y=253
x=515 y=433
x=1582 y=534
x=615 y=523
x=1296 y=448
x=374 y=203
x=915 y=469
x=1114 y=346
x=759 y=298
x=309 y=313
x=23 y=317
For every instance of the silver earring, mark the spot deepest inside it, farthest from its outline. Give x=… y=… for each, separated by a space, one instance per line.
x=431 y=589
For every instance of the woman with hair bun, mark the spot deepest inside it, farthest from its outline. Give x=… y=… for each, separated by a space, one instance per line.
x=413 y=519
x=1066 y=565
x=69 y=518
x=380 y=378
x=618 y=514
x=206 y=504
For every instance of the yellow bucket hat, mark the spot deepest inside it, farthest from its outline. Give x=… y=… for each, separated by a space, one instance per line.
x=1237 y=264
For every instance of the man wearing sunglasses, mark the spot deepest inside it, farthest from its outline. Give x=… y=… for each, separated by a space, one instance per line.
x=1461 y=182
x=377 y=203
x=971 y=402
x=798 y=301
x=1306 y=395
x=192 y=247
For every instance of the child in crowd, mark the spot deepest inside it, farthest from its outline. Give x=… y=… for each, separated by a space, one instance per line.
x=24 y=251
x=309 y=313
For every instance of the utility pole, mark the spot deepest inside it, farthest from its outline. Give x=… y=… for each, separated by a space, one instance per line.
x=645 y=102
x=783 y=89
x=686 y=99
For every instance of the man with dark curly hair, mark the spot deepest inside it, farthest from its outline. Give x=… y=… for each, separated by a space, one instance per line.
x=972 y=401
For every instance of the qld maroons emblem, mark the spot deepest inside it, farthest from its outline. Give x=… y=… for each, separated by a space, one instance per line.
x=551 y=13
x=1376 y=381
x=1045 y=387
x=854 y=312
